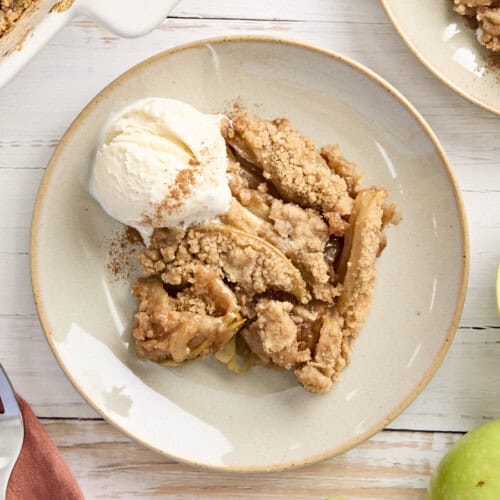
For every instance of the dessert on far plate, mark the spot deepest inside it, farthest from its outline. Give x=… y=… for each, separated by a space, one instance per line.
x=260 y=249
x=484 y=17
x=11 y=11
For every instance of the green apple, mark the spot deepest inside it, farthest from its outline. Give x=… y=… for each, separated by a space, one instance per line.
x=471 y=469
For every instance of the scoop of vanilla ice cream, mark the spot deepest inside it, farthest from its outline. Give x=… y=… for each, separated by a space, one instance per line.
x=161 y=163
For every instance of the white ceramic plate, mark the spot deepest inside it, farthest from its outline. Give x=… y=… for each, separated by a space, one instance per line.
x=201 y=413
x=450 y=50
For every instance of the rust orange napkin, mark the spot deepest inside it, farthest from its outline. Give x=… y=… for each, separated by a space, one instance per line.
x=40 y=472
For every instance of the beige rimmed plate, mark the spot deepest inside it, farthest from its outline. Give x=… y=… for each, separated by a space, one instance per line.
x=450 y=50
x=201 y=413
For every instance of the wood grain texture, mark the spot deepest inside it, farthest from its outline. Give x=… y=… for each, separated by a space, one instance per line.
x=391 y=465
x=340 y=11
x=35 y=110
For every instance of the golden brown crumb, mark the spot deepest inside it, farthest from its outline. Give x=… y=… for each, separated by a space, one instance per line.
x=319 y=374
x=336 y=224
x=292 y=263
x=489 y=22
x=358 y=268
x=251 y=264
x=62 y=6
x=165 y=331
x=11 y=12
x=301 y=234
x=290 y=162
x=343 y=168
x=273 y=335
x=485 y=15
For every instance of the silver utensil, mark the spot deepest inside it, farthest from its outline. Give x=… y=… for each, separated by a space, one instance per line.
x=11 y=431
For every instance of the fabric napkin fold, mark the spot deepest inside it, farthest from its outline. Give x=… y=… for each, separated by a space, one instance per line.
x=40 y=472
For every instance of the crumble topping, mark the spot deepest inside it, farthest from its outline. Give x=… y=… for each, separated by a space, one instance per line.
x=290 y=162
x=11 y=11
x=285 y=278
x=484 y=16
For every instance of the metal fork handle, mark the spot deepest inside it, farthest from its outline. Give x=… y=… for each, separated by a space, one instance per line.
x=11 y=431
x=8 y=397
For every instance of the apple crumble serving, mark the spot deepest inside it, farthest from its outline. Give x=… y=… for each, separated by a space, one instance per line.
x=11 y=11
x=484 y=17
x=283 y=278
x=19 y=17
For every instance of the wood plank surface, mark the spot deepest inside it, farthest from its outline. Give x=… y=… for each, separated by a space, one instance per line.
x=336 y=11
x=391 y=465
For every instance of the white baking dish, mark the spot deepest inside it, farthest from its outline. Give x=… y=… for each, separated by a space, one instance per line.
x=36 y=26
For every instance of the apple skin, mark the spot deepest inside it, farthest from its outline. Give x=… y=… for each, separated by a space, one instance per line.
x=471 y=469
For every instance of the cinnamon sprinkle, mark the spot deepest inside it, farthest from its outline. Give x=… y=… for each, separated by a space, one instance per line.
x=184 y=184
x=493 y=65
x=123 y=248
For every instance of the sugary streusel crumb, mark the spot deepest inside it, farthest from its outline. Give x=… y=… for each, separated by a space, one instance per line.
x=483 y=15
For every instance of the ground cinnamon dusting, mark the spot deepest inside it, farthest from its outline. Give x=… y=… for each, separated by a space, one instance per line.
x=122 y=253
x=184 y=183
x=233 y=107
x=493 y=65
x=132 y=235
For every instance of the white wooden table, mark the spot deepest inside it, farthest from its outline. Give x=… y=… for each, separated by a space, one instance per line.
x=40 y=103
